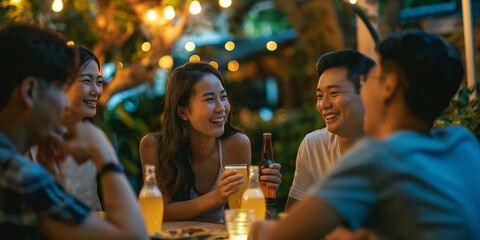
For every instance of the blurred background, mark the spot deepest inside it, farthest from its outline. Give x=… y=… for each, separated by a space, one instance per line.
x=265 y=49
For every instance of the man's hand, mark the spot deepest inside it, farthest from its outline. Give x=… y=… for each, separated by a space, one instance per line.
x=260 y=229
x=272 y=175
x=50 y=155
x=342 y=233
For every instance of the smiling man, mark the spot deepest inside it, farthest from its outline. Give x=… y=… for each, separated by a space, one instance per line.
x=405 y=180
x=339 y=102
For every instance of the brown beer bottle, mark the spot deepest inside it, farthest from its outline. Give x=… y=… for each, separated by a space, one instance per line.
x=267 y=159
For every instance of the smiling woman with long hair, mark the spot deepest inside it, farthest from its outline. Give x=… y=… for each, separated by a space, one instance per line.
x=195 y=142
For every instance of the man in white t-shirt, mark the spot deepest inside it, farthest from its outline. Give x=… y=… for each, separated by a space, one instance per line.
x=339 y=102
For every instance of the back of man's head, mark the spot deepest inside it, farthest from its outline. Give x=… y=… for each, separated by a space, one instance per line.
x=429 y=75
x=27 y=50
x=356 y=63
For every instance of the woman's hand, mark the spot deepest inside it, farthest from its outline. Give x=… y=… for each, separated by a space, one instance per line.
x=227 y=185
x=50 y=154
x=272 y=175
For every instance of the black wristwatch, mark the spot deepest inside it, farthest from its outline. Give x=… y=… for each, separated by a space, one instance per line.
x=109 y=167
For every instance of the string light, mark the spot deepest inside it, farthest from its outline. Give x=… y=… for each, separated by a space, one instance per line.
x=15 y=1
x=169 y=12
x=229 y=45
x=271 y=46
x=189 y=46
x=166 y=62
x=195 y=7
x=214 y=64
x=146 y=46
x=57 y=5
x=233 y=66
x=353 y=1
x=225 y=3
x=151 y=15
x=194 y=58
x=70 y=43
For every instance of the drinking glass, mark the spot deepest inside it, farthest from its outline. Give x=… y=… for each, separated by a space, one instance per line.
x=239 y=222
x=235 y=199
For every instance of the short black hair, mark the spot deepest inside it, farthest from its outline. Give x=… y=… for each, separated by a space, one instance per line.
x=29 y=50
x=356 y=63
x=429 y=73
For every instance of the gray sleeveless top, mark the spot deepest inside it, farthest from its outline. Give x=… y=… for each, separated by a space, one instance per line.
x=214 y=215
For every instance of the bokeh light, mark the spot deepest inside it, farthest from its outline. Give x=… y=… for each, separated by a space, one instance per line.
x=190 y=46
x=225 y=3
x=57 y=5
x=70 y=43
x=233 y=66
x=169 y=12
x=151 y=15
x=194 y=58
x=165 y=62
x=214 y=64
x=195 y=7
x=229 y=45
x=271 y=45
x=146 y=46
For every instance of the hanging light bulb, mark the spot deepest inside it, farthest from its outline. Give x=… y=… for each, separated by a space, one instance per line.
x=151 y=15
x=57 y=5
x=353 y=1
x=271 y=46
x=169 y=12
x=190 y=46
x=225 y=3
x=195 y=7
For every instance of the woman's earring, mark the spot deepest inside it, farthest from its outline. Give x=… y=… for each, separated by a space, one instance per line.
x=185 y=129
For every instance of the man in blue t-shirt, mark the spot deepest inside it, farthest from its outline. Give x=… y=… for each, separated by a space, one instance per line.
x=406 y=180
x=36 y=67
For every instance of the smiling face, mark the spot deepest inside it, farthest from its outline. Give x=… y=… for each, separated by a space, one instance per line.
x=208 y=107
x=86 y=90
x=340 y=106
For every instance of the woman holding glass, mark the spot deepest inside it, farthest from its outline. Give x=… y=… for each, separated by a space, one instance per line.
x=195 y=144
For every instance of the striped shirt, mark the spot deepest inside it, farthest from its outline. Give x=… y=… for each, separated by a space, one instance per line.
x=28 y=193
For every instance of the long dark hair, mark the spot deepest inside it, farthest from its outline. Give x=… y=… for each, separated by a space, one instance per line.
x=174 y=172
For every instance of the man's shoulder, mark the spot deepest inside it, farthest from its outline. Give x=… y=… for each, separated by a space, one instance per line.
x=20 y=173
x=319 y=135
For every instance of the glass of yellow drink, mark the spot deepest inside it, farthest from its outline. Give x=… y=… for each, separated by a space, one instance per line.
x=235 y=199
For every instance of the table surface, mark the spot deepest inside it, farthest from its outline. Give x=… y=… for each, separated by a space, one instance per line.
x=191 y=224
x=220 y=234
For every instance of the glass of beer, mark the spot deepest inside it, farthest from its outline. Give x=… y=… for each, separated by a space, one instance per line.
x=235 y=199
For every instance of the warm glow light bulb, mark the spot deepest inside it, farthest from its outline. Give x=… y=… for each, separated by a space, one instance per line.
x=70 y=43
x=233 y=66
x=225 y=3
x=57 y=5
x=194 y=58
x=169 y=12
x=214 y=64
x=151 y=15
x=353 y=1
x=166 y=62
x=146 y=46
x=229 y=45
x=271 y=46
x=195 y=7
x=15 y=1
x=189 y=46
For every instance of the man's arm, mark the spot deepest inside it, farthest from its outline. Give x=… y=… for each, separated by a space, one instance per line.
x=290 y=202
x=123 y=217
x=301 y=223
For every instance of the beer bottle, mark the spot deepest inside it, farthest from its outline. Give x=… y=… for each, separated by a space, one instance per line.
x=267 y=159
x=151 y=201
x=253 y=197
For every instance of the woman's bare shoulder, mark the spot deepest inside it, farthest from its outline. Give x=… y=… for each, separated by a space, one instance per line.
x=237 y=149
x=149 y=140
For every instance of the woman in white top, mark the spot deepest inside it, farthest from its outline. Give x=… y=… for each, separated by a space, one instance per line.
x=83 y=95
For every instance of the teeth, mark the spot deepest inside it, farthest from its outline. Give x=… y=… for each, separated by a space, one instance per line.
x=330 y=116
x=218 y=120
x=91 y=102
